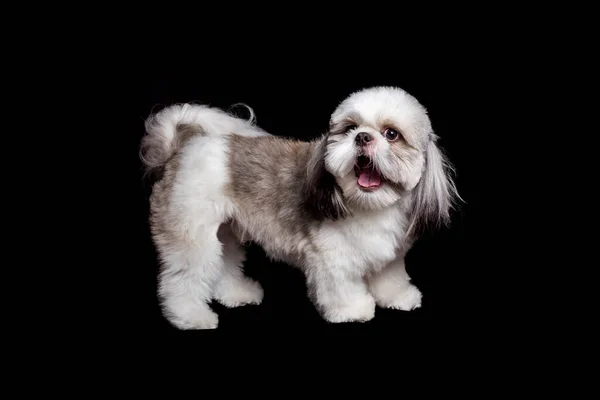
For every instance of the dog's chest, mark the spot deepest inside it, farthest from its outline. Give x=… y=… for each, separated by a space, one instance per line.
x=366 y=241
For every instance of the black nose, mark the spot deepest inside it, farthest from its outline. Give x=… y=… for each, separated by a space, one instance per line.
x=363 y=138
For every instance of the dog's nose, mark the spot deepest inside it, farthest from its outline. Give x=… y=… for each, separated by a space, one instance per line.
x=363 y=138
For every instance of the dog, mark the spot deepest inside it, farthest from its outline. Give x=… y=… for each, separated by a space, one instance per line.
x=344 y=208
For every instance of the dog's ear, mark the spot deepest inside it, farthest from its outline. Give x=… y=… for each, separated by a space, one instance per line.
x=435 y=194
x=323 y=196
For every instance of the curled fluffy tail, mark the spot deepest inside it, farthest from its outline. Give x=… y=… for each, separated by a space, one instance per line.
x=169 y=128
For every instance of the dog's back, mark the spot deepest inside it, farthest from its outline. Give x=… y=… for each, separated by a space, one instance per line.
x=169 y=129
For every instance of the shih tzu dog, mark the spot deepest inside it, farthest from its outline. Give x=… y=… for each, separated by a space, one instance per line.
x=344 y=208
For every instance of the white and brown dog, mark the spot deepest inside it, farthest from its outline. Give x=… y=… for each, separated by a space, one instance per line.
x=344 y=208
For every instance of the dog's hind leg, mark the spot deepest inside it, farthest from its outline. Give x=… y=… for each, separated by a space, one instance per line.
x=189 y=273
x=189 y=206
x=234 y=289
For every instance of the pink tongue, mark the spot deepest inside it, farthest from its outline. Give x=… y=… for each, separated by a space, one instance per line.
x=369 y=178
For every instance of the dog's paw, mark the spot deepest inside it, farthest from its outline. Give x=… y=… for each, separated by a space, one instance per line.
x=239 y=293
x=404 y=298
x=362 y=309
x=201 y=319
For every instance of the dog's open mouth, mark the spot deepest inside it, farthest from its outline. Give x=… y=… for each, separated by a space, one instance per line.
x=368 y=176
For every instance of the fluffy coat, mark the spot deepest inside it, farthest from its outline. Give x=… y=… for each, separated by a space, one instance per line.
x=344 y=208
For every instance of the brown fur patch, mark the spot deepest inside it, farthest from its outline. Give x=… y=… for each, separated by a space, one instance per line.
x=269 y=181
x=266 y=186
x=274 y=166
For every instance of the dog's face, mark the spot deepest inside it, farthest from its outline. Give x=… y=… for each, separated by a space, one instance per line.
x=375 y=146
x=379 y=147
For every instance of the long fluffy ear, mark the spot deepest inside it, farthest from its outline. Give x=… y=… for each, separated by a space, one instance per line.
x=436 y=194
x=323 y=196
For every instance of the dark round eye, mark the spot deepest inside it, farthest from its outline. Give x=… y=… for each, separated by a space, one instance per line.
x=391 y=134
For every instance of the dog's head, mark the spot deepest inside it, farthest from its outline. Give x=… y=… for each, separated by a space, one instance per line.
x=380 y=148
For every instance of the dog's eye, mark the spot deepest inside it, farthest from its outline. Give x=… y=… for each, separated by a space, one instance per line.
x=350 y=127
x=391 y=134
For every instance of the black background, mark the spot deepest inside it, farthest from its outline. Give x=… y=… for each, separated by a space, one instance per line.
x=293 y=94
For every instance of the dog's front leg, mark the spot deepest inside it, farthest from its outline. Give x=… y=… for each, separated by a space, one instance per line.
x=391 y=287
x=340 y=295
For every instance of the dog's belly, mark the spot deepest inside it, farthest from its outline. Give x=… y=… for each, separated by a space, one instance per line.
x=364 y=243
x=279 y=241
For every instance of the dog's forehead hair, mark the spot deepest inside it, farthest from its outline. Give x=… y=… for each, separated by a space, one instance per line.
x=383 y=107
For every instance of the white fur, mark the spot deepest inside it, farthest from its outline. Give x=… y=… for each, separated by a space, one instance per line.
x=351 y=264
x=348 y=251
x=197 y=208
x=392 y=288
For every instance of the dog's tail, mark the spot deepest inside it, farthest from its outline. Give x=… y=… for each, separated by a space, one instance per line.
x=169 y=128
